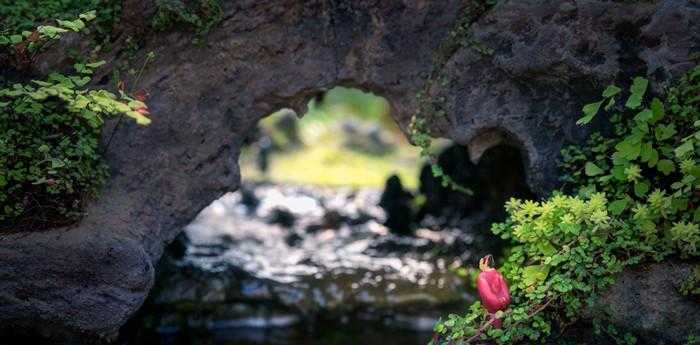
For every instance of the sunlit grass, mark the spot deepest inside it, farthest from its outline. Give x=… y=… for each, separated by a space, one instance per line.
x=324 y=161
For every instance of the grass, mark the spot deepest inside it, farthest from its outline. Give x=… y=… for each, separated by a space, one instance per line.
x=324 y=161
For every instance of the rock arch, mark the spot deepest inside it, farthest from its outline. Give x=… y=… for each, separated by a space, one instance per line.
x=85 y=281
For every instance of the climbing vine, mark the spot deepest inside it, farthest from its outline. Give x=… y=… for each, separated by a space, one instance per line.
x=49 y=133
x=431 y=109
x=633 y=198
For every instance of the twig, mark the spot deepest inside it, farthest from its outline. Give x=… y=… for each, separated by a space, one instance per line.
x=482 y=329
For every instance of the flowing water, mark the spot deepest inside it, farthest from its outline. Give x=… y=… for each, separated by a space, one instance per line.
x=276 y=264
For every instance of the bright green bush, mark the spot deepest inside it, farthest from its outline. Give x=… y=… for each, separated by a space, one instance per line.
x=633 y=200
x=49 y=137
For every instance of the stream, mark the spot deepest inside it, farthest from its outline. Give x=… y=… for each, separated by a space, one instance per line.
x=281 y=264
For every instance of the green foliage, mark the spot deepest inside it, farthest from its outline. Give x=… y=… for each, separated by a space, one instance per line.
x=25 y=15
x=33 y=41
x=202 y=15
x=633 y=200
x=649 y=169
x=692 y=340
x=49 y=137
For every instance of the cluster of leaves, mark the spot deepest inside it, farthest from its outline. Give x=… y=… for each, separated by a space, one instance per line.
x=25 y=45
x=25 y=15
x=202 y=15
x=49 y=136
x=633 y=199
x=650 y=167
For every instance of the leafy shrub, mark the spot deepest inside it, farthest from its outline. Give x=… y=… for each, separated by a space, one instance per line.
x=650 y=168
x=24 y=15
x=634 y=200
x=49 y=137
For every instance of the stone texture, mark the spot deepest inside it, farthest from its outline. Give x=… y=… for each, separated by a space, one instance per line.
x=548 y=59
x=646 y=301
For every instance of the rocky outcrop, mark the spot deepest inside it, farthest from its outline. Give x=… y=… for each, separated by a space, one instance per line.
x=647 y=302
x=523 y=77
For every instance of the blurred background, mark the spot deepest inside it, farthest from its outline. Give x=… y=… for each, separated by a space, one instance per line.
x=339 y=234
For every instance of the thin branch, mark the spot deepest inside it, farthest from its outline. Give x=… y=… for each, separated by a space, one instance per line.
x=482 y=329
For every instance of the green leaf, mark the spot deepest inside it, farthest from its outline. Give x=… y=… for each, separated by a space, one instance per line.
x=639 y=85
x=50 y=31
x=610 y=104
x=75 y=25
x=4 y=40
x=618 y=206
x=589 y=111
x=534 y=275
x=637 y=90
x=647 y=152
x=14 y=39
x=641 y=189
x=657 y=108
x=592 y=169
x=88 y=16
x=136 y=104
x=96 y=64
x=39 y=95
x=140 y=119
x=684 y=149
x=665 y=166
x=664 y=132
x=611 y=90
x=57 y=163
x=81 y=102
x=629 y=148
x=653 y=158
x=634 y=101
x=644 y=115
x=80 y=82
x=93 y=119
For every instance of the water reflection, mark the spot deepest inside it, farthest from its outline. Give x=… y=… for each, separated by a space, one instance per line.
x=275 y=264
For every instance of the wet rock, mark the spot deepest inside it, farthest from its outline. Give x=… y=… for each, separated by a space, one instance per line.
x=396 y=202
x=281 y=217
x=646 y=301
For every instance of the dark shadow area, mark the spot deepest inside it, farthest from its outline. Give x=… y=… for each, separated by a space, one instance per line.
x=498 y=176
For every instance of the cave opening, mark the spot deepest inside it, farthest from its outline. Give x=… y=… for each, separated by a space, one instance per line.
x=338 y=221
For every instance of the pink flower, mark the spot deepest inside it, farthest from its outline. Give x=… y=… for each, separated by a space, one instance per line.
x=493 y=289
